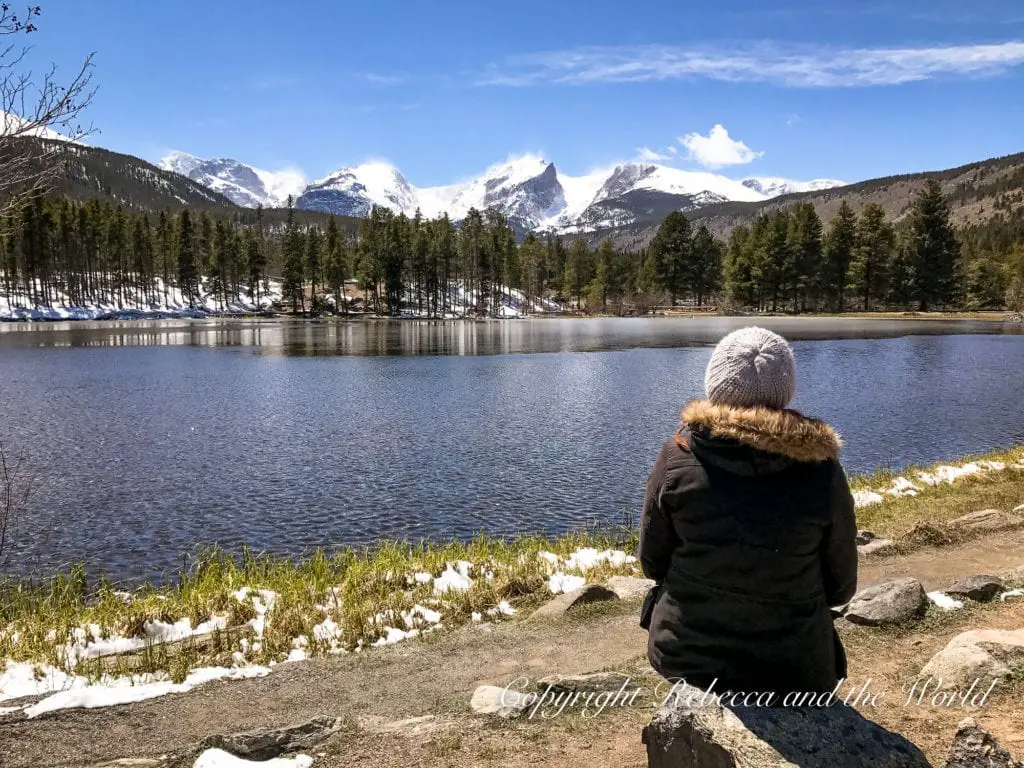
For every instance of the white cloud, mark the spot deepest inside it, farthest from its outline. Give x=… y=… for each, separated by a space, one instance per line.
x=793 y=66
x=717 y=148
x=673 y=150
x=648 y=155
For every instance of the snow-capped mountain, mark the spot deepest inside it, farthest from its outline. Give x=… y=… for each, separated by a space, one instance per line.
x=242 y=184
x=773 y=186
x=354 y=191
x=528 y=189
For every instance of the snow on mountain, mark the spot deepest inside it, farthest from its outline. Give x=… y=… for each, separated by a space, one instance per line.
x=354 y=191
x=242 y=184
x=526 y=188
x=773 y=186
x=13 y=125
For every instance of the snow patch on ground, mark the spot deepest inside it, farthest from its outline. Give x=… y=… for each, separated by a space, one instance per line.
x=218 y=758
x=1011 y=593
x=560 y=582
x=162 y=301
x=943 y=474
x=944 y=601
x=454 y=579
x=126 y=690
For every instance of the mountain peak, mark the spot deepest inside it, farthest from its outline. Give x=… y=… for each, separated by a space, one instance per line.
x=527 y=188
x=774 y=186
x=243 y=184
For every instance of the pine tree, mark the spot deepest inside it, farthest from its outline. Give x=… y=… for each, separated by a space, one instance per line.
x=313 y=262
x=255 y=265
x=737 y=271
x=188 y=267
x=933 y=250
x=598 y=287
x=840 y=245
x=336 y=266
x=577 y=270
x=868 y=273
x=987 y=283
x=293 y=280
x=671 y=249
x=805 y=246
x=704 y=274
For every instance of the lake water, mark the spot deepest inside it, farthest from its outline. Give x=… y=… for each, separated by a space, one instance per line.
x=147 y=438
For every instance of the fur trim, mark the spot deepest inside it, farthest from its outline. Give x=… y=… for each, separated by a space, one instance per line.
x=781 y=432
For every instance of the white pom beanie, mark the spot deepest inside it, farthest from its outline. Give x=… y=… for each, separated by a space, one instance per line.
x=751 y=367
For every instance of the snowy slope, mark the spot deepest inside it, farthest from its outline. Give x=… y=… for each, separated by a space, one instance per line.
x=773 y=186
x=354 y=191
x=11 y=124
x=527 y=188
x=243 y=184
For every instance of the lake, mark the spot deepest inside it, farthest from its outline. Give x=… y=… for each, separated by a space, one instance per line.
x=147 y=438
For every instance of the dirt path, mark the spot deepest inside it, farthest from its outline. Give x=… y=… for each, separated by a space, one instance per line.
x=434 y=677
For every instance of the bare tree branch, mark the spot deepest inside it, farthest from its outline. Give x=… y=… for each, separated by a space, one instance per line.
x=15 y=490
x=39 y=117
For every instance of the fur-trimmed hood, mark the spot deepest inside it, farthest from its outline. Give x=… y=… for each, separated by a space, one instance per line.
x=784 y=433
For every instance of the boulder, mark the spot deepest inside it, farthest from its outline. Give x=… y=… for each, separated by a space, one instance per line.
x=981 y=655
x=981 y=588
x=863 y=537
x=893 y=602
x=559 y=606
x=974 y=747
x=629 y=587
x=268 y=743
x=503 y=702
x=875 y=547
x=691 y=731
x=597 y=682
x=981 y=521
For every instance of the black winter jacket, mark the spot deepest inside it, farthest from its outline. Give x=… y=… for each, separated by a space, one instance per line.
x=748 y=525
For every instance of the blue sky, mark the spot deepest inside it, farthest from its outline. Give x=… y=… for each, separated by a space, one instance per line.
x=801 y=88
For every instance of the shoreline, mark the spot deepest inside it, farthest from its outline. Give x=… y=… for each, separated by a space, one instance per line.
x=242 y=614
x=51 y=316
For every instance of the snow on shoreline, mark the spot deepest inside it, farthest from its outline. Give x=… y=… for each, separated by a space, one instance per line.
x=942 y=474
x=62 y=688
x=135 y=305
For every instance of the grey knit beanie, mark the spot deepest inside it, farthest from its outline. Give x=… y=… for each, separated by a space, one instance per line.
x=750 y=367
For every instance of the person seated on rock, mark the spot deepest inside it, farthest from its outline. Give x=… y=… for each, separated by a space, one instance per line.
x=748 y=529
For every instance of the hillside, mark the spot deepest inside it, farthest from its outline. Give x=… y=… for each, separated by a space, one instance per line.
x=92 y=172
x=977 y=192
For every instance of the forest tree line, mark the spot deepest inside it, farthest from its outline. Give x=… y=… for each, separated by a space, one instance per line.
x=58 y=251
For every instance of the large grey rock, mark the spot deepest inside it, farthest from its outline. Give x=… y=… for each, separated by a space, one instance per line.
x=268 y=743
x=689 y=733
x=983 y=520
x=596 y=682
x=629 y=587
x=981 y=655
x=559 y=606
x=982 y=587
x=503 y=702
x=893 y=602
x=974 y=747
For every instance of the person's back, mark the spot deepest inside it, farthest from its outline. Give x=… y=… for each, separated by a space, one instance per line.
x=748 y=527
